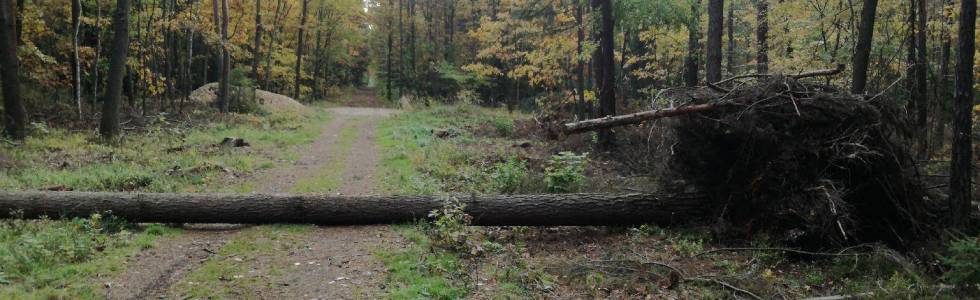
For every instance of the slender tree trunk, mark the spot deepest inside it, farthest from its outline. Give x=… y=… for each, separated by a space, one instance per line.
x=921 y=84
x=691 y=61
x=762 y=37
x=219 y=62
x=225 y=86
x=583 y=110
x=257 y=53
x=730 y=55
x=412 y=47
x=15 y=118
x=607 y=82
x=109 y=128
x=862 y=51
x=19 y=28
x=98 y=52
x=76 y=14
x=943 y=89
x=716 y=17
x=961 y=166
x=388 y=63
x=299 y=49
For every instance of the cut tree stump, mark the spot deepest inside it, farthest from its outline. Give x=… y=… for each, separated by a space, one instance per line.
x=504 y=210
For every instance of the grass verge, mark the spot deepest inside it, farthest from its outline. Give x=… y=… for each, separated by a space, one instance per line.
x=50 y=259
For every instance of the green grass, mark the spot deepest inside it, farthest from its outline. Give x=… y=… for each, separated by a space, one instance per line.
x=227 y=276
x=415 y=162
x=149 y=162
x=418 y=273
x=42 y=259
x=328 y=179
x=45 y=259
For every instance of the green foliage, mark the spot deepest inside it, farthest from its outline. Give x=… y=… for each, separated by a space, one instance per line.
x=564 y=172
x=504 y=126
x=418 y=273
x=964 y=261
x=166 y=158
x=241 y=93
x=54 y=259
x=450 y=229
x=509 y=176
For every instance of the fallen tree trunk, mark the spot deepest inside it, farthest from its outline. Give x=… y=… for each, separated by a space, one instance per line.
x=557 y=209
x=635 y=118
x=640 y=117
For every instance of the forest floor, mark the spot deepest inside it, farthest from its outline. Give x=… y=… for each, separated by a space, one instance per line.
x=356 y=148
x=279 y=262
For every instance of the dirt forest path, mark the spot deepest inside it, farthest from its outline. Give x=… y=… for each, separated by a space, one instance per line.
x=310 y=262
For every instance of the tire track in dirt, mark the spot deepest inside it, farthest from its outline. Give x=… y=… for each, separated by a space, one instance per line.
x=155 y=272
x=338 y=262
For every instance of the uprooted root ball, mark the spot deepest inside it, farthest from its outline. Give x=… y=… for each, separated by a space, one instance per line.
x=813 y=165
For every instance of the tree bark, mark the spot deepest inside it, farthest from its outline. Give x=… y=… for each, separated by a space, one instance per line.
x=583 y=110
x=691 y=61
x=109 y=127
x=15 y=121
x=862 y=51
x=961 y=165
x=257 y=54
x=762 y=36
x=514 y=210
x=716 y=19
x=76 y=14
x=635 y=118
x=299 y=49
x=730 y=54
x=98 y=52
x=607 y=79
x=225 y=84
x=921 y=84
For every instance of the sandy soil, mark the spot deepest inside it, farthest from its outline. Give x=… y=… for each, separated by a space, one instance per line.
x=330 y=263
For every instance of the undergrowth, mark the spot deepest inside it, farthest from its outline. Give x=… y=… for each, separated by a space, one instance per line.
x=72 y=259
x=446 y=150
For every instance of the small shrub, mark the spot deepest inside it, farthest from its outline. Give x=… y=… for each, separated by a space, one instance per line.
x=450 y=229
x=504 y=126
x=241 y=93
x=564 y=172
x=507 y=177
x=964 y=262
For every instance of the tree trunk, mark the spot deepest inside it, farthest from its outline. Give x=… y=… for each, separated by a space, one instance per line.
x=299 y=49
x=388 y=63
x=691 y=61
x=730 y=55
x=961 y=166
x=716 y=19
x=218 y=63
x=98 y=52
x=109 y=128
x=921 y=84
x=512 y=210
x=257 y=54
x=635 y=118
x=225 y=85
x=862 y=51
x=76 y=14
x=943 y=87
x=762 y=37
x=583 y=110
x=15 y=121
x=607 y=79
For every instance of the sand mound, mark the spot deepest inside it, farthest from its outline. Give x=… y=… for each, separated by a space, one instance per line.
x=270 y=101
